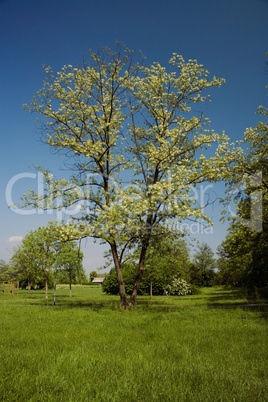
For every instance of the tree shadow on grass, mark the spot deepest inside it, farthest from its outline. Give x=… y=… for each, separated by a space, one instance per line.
x=91 y=304
x=261 y=309
x=218 y=298
x=236 y=298
x=67 y=302
x=232 y=298
x=142 y=304
x=227 y=294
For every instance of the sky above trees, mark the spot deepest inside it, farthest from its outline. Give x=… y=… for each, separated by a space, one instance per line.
x=228 y=37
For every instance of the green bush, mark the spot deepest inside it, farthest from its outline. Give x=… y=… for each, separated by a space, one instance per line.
x=110 y=285
x=159 y=279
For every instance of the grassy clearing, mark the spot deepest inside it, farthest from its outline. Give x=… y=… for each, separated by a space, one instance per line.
x=167 y=349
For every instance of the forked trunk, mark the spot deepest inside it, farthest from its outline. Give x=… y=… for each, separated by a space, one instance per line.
x=139 y=274
x=137 y=284
x=122 y=290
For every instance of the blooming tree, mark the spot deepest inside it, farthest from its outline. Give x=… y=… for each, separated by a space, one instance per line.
x=134 y=145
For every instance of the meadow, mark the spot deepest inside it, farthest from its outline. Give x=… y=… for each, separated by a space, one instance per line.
x=206 y=347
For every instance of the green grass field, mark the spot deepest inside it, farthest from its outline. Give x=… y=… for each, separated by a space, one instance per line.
x=206 y=347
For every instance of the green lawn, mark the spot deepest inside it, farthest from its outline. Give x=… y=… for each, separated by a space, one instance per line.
x=195 y=348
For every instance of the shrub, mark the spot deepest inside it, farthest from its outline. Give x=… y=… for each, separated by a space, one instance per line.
x=162 y=282
x=178 y=287
x=159 y=281
x=110 y=285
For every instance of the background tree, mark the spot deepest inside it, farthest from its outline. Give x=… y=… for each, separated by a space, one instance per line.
x=202 y=269
x=42 y=245
x=244 y=253
x=234 y=256
x=168 y=256
x=70 y=265
x=5 y=271
x=24 y=267
x=121 y=122
x=34 y=260
x=92 y=275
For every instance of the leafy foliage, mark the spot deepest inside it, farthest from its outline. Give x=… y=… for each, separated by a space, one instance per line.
x=92 y=275
x=129 y=122
x=167 y=256
x=244 y=253
x=6 y=273
x=69 y=263
x=202 y=269
x=34 y=261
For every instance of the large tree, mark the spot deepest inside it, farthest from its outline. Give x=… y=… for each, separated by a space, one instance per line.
x=134 y=145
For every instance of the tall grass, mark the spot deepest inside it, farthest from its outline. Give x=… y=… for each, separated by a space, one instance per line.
x=168 y=349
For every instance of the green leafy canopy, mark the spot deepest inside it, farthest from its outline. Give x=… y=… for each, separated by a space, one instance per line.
x=133 y=143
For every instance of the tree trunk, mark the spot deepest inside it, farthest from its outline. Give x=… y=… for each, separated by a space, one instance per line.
x=140 y=273
x=70 y=289
x=145 y=244
x=151 y=289
x=29 y=286
x=122 y=290
x=46 y=288
x=137 y=284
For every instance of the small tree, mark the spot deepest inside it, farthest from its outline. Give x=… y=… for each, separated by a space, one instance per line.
x=167 y=256
x=23 y=265
x=70 y=265
x=234 y=257
x=92 y=275
x=34 y=260
x=202 y=269
x=5 y=271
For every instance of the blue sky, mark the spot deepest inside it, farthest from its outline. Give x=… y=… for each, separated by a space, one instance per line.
x=230 y=37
